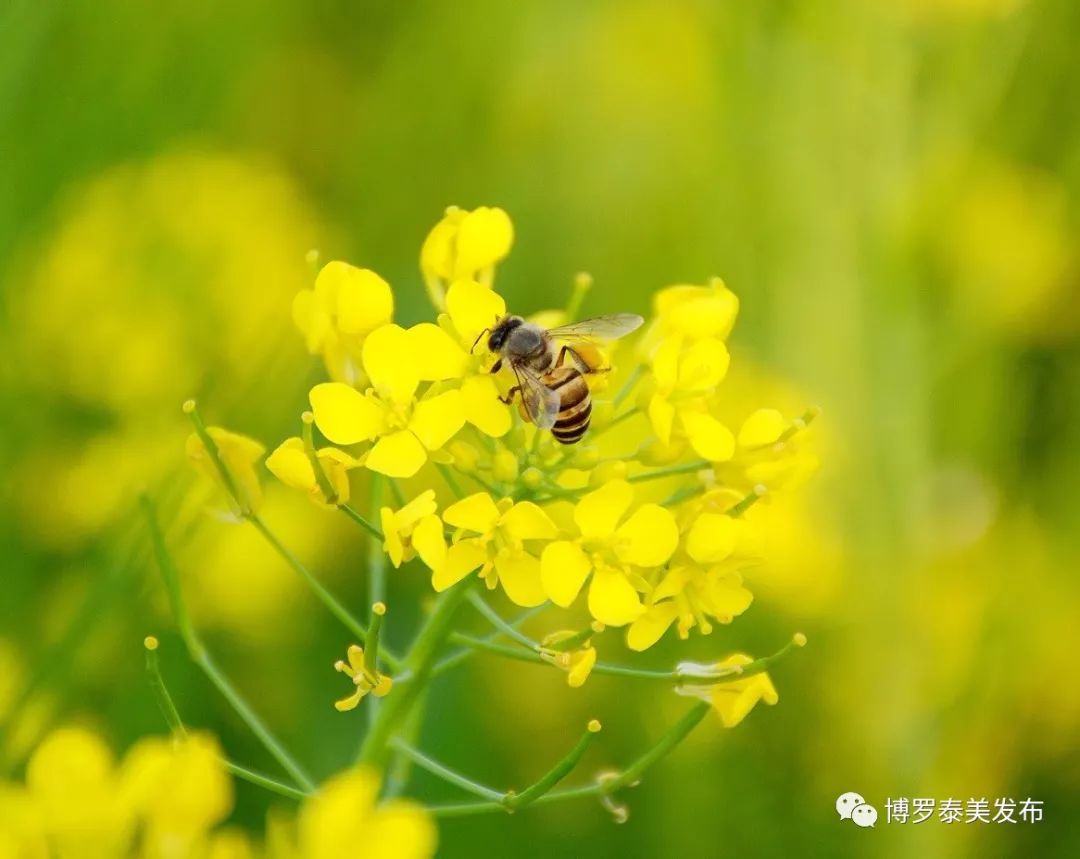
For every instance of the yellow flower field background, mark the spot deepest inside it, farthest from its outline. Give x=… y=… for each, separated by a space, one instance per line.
x=850 y=415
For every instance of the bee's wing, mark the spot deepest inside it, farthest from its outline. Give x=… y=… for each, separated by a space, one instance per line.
x=610 y=327
x=541 y=403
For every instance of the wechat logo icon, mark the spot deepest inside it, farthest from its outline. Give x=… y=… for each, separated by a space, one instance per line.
x=851 y=806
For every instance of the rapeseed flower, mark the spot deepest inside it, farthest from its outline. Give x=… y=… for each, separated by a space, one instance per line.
x=732 y=697
x=366 y=678
x=464 y=245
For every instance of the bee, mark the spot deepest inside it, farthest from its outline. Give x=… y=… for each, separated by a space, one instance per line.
x=550 y=380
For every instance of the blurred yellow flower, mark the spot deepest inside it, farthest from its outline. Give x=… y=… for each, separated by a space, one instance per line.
x=612 y=546
x=733 y=699
x=290 y=464
x=415 y=528
x=240 y=455
x=464 y=245
x=366 y=678
x=497 y=545
x=346 y=305
x=345 y=818
x=404 y=430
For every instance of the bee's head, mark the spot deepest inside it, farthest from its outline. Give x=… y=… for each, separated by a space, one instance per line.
x=501 y=331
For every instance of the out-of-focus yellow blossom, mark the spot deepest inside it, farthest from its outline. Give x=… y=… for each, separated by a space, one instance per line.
x=771 y=453
x=346 y=305
x=345 y=818
x=162 y=801
x=179 y=789
x=688 y=359
x=365 y=677
x=493 y=538
x=239 y=454
x=415 y=528
x=290 y=464
x=577 y=660
x=404 y=430
x=734 y=698
x=464 y=245
x=616 y=548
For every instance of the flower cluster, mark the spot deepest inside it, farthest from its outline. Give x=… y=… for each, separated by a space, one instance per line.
x=646 y=525
x=166 y=799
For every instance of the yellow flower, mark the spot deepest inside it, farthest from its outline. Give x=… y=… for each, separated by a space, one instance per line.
x=72 y=779
x=366 y=679
x=577 y=661
x=499 y=533
x=771 y=452
x=613 y=547
x=733 y=697
x=404 y=430
x=415 y=528
x=290 y=464
x=180 y=789
x=464 y=246
x=346 y=305
x=239 y=454
x=345 y=818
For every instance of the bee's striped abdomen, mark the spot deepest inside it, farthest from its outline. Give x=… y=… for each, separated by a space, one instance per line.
x=575 y=404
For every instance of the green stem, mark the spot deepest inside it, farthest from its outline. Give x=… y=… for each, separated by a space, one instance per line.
x=376 y=556
x=202 y=658
x=455 y=659
x=631 y=775
x=361 y=521
x=266 y=782
x=629 y=385
x=451 y=481
x=419 y=661
x=556 y=774
x=325 y=486
x=480 y=604
x=671 y=471
x=192 y=410
x=445 y=773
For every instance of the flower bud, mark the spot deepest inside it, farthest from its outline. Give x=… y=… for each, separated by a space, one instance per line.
x=605 y=472
x=505 y=466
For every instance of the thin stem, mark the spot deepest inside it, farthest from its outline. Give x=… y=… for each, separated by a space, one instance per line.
x=582 y=283
x=670 y=471
x=325 y=486
x=455 y=659
x=395 y=490
x=266 y=782
x=631 y=775
x=161 y=692
x=419 y=661
x=445 y=773
x=556 y=774
x=192 y=410
x=376 y=557
x=451 y=481
x=480 y=604
x=202 y=658
x=629 y=385
x=361 y=521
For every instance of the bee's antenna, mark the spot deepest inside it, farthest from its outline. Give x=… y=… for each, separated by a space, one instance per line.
x=477 y=340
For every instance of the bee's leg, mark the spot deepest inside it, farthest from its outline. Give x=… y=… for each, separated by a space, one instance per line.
x=496 y=366
x=509 y=398
x=583 y=366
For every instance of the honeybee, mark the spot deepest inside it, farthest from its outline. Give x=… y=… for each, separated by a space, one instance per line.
x=550 y=381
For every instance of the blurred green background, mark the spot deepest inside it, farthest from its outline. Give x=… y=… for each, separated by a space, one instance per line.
x=892 y=188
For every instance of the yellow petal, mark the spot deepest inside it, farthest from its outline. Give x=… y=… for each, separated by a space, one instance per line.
x=612 y=600
x=735 y=699
x=703 y=365
x=707 y=436
x=662 y=417
x=480 y=398
x=399 y=829
x=435 y=353
x=344 y=415
x=289 y=463
x=392 y=543
x=484 y=237
x=421 y=506
x=399 y=454
x=436 y=419
x=762 y=427
x=651 y=626
x=390 y=363
x=599 y=512
x=312 y=319
x=519 y=575
x=665 y=363
x=472 y=308
x=648 y=538
x=437 y=252
x=361 y=299
x=712 y=538
x=427 y=539
x=708 y=313
x=526 y=521
x=476 y=513
x=726 y=598
x=350 y=702
x=581 y=664
x=563 y=569
x=461 y=559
